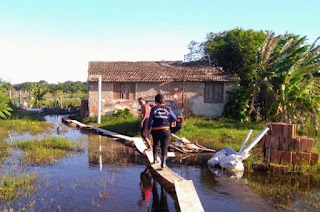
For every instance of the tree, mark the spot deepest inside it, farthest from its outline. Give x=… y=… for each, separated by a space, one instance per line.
x=37 y=92
x=4 y=102
x=236 y=51
x=288 y=67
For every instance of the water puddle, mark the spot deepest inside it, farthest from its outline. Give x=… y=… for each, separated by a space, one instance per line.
x=108 y=176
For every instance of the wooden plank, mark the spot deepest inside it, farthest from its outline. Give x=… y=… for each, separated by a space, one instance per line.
x=113 y=134
x=140 y=145
x=188 y=198
x=186 y=194
x=167 y=173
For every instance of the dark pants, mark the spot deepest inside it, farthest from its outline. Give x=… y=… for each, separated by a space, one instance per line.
x=163 y=137
x=144 y=130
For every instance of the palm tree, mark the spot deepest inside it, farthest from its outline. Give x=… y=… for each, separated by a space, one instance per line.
x=287 y=67
x=37 y=91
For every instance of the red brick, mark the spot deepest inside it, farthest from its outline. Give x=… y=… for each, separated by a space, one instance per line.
x=291 y=131
x=275 y=156
x=291 y=143
x=286 y=158
x=277 y=129
x=314 y=158
x=284 y=146
x=302 y=158
x=267 y=141
x=262 y=142
x=304 y=144
x=275 y=143
x=298 y=145
x=259 y=167
x=310 y=144
x=285 y=131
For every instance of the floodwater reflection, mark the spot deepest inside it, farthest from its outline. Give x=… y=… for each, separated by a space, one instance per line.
x=103 y=151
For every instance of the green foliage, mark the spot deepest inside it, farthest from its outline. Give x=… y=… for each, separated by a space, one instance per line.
x=46 y=150
x=237 y=106
x=123 y=113
x=37 y=92
x=23 y=125
x=4 y=150
x=218 y=134
x=236 y=51
x=288 y=67
x=122 y=122
x=16 y=185
x=4 y=103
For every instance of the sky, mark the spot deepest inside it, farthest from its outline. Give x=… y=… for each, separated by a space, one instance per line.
x=54 y=40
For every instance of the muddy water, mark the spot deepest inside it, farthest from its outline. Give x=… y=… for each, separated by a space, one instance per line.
x=108 y=176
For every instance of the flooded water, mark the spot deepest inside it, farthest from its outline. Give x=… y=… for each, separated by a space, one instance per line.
x=109 y=176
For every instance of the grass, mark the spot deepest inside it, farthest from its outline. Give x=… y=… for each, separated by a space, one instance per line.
x=4 y=150
x=218 y=134
x=124 y=123
x=46 y=150
x=23 y=125
x=288 y=192
x=15 y=186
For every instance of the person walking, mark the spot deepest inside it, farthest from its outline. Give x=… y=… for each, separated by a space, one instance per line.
x=145 y=111
x=161 y=117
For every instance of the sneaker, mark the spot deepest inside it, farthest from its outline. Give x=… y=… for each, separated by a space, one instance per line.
x=154 y=162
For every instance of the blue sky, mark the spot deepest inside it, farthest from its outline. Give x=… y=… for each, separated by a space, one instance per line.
x=54 y=40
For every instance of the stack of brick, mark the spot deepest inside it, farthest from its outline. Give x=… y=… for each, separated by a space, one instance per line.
x=286 y=147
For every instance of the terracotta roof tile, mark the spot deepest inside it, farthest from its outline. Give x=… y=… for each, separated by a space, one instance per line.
x=154 y=72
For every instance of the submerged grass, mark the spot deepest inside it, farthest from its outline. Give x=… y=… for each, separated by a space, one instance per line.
x=15 y=186
x=288 y=192
x=46 y=150
x=4 y=150
x=23 y=125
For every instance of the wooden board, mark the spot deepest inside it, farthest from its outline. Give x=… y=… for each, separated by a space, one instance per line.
x=140 y=145
x=186 y=193
x=187 y=196
x=167 y=173
x=113 y=134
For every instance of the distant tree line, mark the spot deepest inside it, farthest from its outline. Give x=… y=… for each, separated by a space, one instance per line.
x=66 y=87
x=40 y=94
x=279 y=74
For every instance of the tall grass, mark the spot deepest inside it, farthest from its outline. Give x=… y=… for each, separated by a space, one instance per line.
x=14 y=186
x=218 y=134
x=46 y=150
x=4 y=150
x=23 y=125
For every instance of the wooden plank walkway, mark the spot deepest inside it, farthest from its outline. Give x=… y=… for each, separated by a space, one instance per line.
x=187 y=196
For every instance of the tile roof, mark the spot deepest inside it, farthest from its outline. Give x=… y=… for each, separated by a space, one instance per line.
x=154 y=72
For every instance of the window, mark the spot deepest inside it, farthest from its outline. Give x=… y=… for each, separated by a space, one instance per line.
x=213 y=92
x=124 y=90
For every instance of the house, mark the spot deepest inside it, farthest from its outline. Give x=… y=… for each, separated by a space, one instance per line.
x=198 y=89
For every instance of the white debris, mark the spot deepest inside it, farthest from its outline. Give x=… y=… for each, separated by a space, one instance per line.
x=231 y=160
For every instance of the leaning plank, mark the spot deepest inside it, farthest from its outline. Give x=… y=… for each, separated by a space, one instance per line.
x=139 y=143
x=187 y=196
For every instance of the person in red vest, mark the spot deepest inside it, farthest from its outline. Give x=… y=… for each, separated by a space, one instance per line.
x=145 y=111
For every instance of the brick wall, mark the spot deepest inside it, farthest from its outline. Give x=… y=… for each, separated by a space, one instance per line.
x=282 y=146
